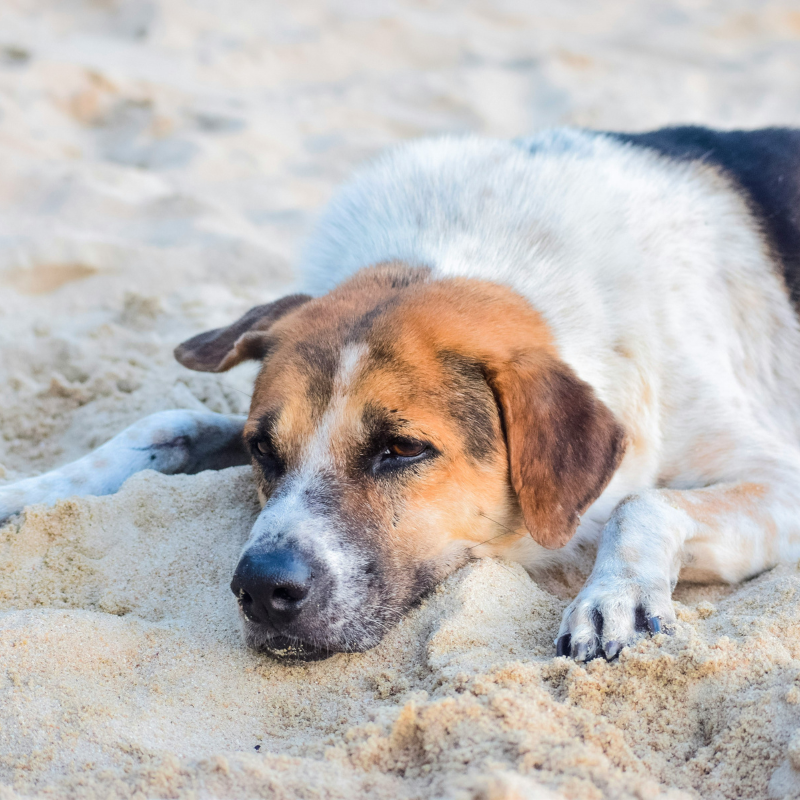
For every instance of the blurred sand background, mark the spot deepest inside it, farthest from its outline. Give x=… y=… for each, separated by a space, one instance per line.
x=159 y=163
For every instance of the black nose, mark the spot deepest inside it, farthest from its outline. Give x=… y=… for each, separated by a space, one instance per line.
x=272 y=586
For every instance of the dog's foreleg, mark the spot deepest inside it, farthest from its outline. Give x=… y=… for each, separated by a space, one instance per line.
x=727 y=532
x=169 y=442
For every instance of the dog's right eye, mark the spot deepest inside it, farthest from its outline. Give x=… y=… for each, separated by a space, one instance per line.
x=267 y=457
x=264 y=451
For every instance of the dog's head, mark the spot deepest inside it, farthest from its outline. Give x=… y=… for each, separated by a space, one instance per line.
x=397 y=424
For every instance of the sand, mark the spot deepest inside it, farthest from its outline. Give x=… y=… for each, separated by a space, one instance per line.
x=160 y=162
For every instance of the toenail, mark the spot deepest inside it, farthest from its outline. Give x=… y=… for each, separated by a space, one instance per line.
x=563 y=645
x=612 y=650
x=580 y=651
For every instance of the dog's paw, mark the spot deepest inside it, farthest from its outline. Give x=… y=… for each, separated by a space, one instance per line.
x=611 y=613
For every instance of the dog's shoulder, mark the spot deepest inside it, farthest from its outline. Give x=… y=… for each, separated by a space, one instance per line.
x=763 y=164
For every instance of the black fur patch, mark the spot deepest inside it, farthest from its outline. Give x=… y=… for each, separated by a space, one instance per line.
x=471 y=403
x=363 y=325
x=319 y=363
x=765 y=164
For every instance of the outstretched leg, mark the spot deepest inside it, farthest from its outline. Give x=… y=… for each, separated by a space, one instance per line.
x=168 y=442
x=726 y=532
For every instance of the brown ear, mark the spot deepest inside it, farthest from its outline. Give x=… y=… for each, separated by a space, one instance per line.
x=563 y=444
x=247 y=338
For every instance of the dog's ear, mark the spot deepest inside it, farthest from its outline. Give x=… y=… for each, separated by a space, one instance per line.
x=247 y=338
x=563 y=444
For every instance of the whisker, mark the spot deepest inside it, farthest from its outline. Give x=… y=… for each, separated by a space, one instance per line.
x=508 y=532
x=510 y=572
x=496 y=522
x=235 y=388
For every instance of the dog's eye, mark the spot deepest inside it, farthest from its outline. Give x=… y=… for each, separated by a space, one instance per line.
x=266 y=456
x=400 y=453
x=406 y=448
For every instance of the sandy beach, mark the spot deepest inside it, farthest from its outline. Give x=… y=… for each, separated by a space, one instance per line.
x=160 y=162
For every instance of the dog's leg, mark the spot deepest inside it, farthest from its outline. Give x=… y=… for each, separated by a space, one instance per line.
x=727 y=532
x=169 y=442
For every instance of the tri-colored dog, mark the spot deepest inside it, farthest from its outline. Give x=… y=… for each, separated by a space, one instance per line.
x=519 y=349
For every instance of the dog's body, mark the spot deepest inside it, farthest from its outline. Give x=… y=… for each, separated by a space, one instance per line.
x=578 y=333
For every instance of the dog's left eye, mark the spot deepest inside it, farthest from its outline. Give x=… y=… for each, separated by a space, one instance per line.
x=396 y=454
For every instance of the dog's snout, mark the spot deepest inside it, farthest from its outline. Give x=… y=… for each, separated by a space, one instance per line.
x=272 y=586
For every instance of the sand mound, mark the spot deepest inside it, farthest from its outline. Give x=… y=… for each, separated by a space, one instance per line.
x=159 y=161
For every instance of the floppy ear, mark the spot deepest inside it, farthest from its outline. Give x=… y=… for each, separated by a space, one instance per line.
x=247 y=338
x=563 y=444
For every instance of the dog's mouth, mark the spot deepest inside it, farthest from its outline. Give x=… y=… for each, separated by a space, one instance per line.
x=288 y=650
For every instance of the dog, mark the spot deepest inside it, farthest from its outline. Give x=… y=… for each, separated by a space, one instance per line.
x=521 y=349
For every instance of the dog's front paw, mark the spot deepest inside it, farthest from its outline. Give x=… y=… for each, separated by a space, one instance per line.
x=610 y=613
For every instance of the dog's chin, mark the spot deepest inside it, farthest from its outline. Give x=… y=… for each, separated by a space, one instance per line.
x=289 y=650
